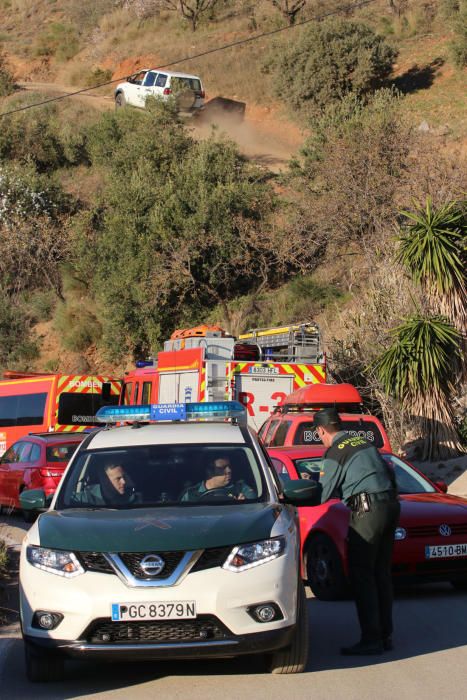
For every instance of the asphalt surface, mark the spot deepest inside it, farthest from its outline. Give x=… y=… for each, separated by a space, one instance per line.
x=429 y=659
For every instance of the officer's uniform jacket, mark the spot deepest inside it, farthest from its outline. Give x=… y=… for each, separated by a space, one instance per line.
x=352 y=466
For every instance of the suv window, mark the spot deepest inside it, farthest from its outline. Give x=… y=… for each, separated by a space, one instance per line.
x=306 y=434
x=161 y=80
x=150 y=79
x=162 y=474
x=270 y=430
x=281 y=433
x=35 y=453
x=60 y=453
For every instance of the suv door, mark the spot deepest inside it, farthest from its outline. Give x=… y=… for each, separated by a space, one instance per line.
x=11 y=471
x=148 y=88
x=133 y=90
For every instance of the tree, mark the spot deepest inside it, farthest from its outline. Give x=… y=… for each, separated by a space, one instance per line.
x=181 y=227
x=328 y=60
x=33 y=235
x=433 y=249
x=289 y=8
x=419 y=369
x=191 y=10
x=7 y=83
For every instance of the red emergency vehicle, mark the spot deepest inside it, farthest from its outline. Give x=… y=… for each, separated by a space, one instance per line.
x=259 y=369
x=33 y=402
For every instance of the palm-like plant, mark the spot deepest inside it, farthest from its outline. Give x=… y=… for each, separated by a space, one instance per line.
x=433 y=248
x=419 y=369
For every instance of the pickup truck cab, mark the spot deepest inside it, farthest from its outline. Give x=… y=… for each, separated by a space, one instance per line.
x=185 y=88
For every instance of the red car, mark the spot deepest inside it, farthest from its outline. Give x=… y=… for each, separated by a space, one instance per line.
x=431 y=540
x=37 y=461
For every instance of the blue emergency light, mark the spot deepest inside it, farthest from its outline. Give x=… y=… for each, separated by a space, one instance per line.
x=201 y=411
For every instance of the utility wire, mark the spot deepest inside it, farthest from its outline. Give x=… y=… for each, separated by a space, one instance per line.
x=240 y=42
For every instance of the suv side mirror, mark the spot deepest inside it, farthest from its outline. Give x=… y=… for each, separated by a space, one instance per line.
x=33 y=499
x=302 y=492
x=441 y=485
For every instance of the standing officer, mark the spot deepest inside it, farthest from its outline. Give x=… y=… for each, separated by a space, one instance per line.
x=355 y=472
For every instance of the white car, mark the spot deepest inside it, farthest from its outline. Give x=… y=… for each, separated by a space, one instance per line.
x=166 y=540
x=186 y=89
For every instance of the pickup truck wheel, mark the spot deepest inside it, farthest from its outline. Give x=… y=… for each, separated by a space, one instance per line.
x=120 y=100
x=294 y=657
x=324 y=569
x=41 y=666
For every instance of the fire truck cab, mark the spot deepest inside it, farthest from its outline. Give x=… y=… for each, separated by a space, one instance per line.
x=206 y=363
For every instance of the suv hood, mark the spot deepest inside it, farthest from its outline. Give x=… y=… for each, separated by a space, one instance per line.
x=161 y=529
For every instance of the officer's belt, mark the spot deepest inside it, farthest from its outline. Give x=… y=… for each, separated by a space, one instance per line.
x=363 y=502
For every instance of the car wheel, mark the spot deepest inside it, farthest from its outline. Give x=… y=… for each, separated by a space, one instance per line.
x=120 y=100
x=293 y=658
x=42 y=666
x=324 y=569
x=460 y=584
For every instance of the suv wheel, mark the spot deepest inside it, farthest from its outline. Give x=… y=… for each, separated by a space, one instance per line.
x=120 y=100
x=294 y=657
x=42 y=666
x=324 y=569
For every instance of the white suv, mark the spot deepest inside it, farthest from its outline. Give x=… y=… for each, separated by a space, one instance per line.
x=166 y=540
x=186 y=89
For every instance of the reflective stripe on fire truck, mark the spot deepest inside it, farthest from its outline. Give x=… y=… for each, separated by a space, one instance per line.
x=80 y=384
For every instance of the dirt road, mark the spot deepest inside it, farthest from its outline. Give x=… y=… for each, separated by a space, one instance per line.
x=264 y=141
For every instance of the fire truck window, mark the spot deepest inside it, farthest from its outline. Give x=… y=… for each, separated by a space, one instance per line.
x=31 y=409
x=279 y=436
x=270 y=430
x=146 y=395
x=136 y=396
x=127 y=393
x=23 y=409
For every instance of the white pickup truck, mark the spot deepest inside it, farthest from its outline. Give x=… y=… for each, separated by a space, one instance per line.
x=186 y=89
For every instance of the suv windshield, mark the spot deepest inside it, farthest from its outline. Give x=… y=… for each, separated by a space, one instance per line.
x=135 y=477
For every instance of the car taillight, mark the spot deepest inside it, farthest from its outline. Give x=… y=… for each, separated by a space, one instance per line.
x=167 y=91
x=50 y=472
x=201 y=94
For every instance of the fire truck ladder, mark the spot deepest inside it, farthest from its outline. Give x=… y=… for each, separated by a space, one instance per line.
x=295 y=343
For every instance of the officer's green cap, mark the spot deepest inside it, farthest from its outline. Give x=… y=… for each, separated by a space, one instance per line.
x=327 y=416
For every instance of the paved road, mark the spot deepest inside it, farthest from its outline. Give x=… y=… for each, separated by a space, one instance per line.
x=429 y=662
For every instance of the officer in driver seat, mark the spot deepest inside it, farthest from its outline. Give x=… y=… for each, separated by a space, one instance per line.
x=219 y=482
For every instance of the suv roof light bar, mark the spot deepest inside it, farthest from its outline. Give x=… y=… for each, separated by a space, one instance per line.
x=174 y=412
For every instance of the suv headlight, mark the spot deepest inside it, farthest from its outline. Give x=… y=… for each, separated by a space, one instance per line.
x=55 y=561
x=246 y=556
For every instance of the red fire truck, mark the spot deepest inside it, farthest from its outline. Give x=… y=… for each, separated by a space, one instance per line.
x=259 y=369
x=50 y=402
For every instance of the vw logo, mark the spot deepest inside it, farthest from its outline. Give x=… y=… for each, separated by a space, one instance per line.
x=152 y=564
x=444 y=530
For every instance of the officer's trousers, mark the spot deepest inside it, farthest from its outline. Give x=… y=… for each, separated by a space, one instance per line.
x=370 y=545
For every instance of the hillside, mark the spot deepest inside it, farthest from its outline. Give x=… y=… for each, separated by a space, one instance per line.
x=145 y=223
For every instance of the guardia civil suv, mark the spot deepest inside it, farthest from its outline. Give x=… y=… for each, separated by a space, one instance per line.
x=170 y=537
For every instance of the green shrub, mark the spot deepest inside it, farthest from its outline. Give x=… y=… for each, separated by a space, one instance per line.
x=16 y=343
x=7 y=83
x=96 y=77
x=329 y=60
x=78 y=327
x=41 y=305
x=59 y=40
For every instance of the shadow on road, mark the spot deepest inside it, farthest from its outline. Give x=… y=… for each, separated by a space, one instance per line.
x=427 y=620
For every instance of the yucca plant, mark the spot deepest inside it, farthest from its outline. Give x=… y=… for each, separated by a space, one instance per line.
x=433 y=249
x=419 y=369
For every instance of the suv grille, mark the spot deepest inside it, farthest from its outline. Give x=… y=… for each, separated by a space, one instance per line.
x=210 y=558
x=204 y=628
x=132 y=562
x=95 y=561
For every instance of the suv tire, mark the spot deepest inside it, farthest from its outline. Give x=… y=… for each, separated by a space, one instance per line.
x=120 y=100
x=42 y=666
x=324 y=569
x=294 y=657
